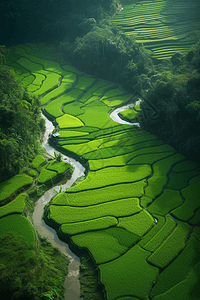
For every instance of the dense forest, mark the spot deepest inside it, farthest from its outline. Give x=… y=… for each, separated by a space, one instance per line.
x=20 y=124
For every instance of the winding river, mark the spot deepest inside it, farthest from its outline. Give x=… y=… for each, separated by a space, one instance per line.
x=72 y=284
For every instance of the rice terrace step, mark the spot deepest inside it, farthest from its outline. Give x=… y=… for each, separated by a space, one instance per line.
x=162 y=26
x=137 y=210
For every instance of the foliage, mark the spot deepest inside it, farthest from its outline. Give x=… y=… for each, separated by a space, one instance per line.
x=29 y=272
x=20 y=125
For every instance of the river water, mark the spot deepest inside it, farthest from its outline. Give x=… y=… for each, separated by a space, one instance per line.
x=72 y=284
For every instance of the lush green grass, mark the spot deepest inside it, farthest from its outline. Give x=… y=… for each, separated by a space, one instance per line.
x=106 y=245
x=86 y=198
x=72 y=133
x=161 y=235
x=97 y=115
x=10 y=186
x=46 y=175
x=73 y=109
x=84 y=82
x=171 y=247
x=191 y=196
x=38 y=160
x=117 y=100
x=130 y=274
x=16 y=206
x=149 y=158
x=89 y=225
x=59 y=167
x=155 y=229
x=102 y=89
x=19 y=225
x=33 y=173
x=133 y=177
x=179 y=269
x=168 y=201
x=52 y=80
x=113 y=175
x=184 y=166
x=100 y=163
x=159 y=179
x=67 y=121
x=71 y=214
x=138 y=224
x=116 y=151
x=112 y=93
x=54 y=107
x=179 y=181
x=29 y=65
x=64 y=86
x=130 y=113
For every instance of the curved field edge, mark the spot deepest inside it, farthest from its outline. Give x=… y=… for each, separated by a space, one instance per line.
x=91 y=114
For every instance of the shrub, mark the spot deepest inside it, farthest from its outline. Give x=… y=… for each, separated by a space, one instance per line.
x=33 y=173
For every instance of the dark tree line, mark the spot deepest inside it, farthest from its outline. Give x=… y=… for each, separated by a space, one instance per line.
x=20 y=124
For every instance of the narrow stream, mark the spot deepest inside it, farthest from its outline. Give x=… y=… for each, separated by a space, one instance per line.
x=72 y=284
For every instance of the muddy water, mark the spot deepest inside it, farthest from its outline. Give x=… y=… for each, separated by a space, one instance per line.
x=72 y=284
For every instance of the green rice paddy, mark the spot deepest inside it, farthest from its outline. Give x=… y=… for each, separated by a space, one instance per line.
x=159 y=24
x=137 y=211
x=12 y=185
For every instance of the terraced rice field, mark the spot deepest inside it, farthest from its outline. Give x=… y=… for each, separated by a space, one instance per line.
x=163 y=26
x=137 y=211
